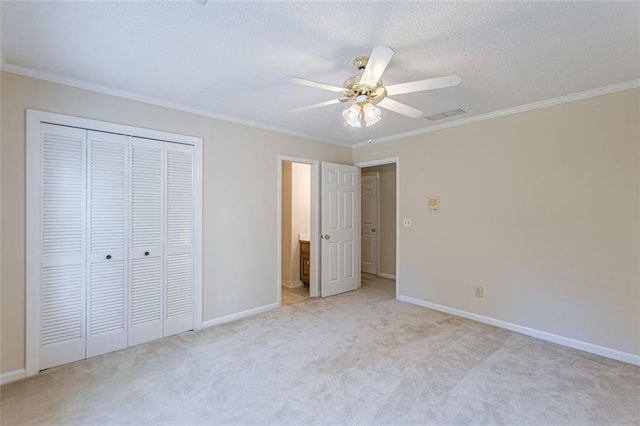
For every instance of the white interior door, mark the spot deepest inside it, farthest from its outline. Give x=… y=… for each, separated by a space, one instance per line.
x=370 y=226
x=179 y=293
x=62 y=205
x=146 y=247
x=107 y=259
x=340 y=230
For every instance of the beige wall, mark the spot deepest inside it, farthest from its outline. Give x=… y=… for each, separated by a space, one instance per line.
x=286 y=222
x=541 y=208
x=239 y=205
x=387 y=225
x=296 y=217
x=300 y=213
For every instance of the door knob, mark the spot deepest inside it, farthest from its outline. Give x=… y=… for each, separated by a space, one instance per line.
x=327 y=236
x=373 y=229
x=146 y=253
x=108 y=256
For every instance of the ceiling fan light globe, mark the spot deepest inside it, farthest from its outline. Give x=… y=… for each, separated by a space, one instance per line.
x=372 y=114
x=372 y=121
x=370 y=110
x=353 y=115
x=352 y=123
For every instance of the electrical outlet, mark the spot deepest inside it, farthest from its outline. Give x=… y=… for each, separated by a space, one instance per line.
x=406 y=222
x=479 y=291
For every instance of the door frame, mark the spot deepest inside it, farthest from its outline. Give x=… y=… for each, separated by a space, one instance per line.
x=381 y=162
x=377 y=224
x=314 y=232
x=34 y=118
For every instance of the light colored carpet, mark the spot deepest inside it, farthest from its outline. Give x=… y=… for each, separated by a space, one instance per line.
x=357 y=358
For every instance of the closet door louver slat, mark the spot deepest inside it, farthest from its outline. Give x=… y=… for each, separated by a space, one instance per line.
x=146 y=251
x=146 y=293
x=108 y=194
x=63 y=245
x=179 y=247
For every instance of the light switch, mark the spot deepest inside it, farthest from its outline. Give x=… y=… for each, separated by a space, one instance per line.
x=406 y=222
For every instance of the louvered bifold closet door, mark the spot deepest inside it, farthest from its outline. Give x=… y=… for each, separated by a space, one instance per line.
x=179 y=311
x=107 y=277
x=146 y=248
x=63 y=245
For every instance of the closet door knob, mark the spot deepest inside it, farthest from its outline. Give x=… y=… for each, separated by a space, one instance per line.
x=146 y=253
x=108 y=256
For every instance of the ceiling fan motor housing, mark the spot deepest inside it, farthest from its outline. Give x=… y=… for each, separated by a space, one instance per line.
x=360 y=62
x=353 y=89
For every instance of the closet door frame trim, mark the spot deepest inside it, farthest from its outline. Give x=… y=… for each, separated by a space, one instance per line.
x=33 y=215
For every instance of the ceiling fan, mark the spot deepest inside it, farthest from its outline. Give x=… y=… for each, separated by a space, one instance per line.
x=368 y=92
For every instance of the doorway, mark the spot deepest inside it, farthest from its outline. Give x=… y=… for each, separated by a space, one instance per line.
x=320 y=239
x=295 y=234
x=379 y=224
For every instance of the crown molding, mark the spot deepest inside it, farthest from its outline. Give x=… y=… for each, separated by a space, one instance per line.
x=81 y=84
x=632 y=84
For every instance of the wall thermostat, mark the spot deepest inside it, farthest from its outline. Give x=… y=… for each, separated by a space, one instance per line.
x=433 y=205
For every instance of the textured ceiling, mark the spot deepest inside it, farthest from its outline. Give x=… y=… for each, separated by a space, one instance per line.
x=228 y=59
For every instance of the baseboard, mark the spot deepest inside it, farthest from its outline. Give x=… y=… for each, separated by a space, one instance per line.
x=550 y=337
x=239 y=315
x=385 y=275
x=12 y=376
x=292 y=284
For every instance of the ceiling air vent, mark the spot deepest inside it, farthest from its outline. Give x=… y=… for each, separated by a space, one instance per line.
x=446 y=114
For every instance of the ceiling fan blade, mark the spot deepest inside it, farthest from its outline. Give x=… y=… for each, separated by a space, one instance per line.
x=315 y=84
x=314 y=106
x=400 y=108
x=420 y=85
x=378 y=61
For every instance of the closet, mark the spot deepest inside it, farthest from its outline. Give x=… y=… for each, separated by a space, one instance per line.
x=115 y=239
